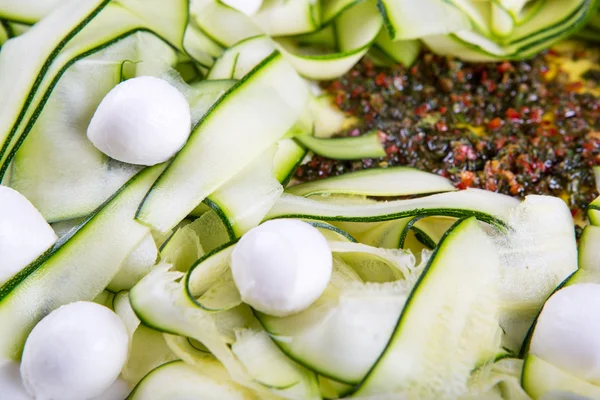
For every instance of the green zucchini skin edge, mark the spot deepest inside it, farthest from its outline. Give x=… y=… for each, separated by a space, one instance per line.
x=445 y=212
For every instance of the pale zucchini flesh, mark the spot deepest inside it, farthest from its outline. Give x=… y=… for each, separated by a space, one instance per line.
x=444 y=331
x=541 y=379
x=486 y=206
x=384 y=182
x=348 y=148
x=178 y=380
x=160 y=300
x=354 y=329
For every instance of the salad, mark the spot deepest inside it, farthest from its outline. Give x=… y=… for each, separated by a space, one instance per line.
x=182 y=215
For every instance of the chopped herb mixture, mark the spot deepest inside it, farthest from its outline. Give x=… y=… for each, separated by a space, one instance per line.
x=518 y=128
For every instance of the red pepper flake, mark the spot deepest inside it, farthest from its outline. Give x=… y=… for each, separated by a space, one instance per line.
x=553 y=52
x=380 y=80
x=463 y=152
x=494 y=124
x=505 y=67
x=574 y=86
x=422 y=109
x=467 y=178
x=500 y=142
x=441 y=126
x=443 y=110
x=391 y=150
x=357 y=91
x=339 y=99
x=490 y=86
x=336 y=85
x=466 y=100
x=536 y=115
x=513 y=114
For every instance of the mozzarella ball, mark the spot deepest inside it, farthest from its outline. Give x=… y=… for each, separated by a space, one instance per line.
x=141 y=121
x=282 y=266
x=24 y=233
x=75 y=353
x=567 y=332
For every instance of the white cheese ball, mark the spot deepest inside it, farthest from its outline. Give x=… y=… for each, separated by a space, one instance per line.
x=24 y=233
x=282 y=266
x=143 y=121
x=567 y=333
x=74 y=353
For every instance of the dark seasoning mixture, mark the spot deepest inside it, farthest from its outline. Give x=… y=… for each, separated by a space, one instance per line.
x=517 y=128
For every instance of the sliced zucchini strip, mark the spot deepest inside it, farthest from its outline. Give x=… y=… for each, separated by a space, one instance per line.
x=332 y=233
x=288 y=157
x=540 y=378
x=5 y=33
x=333 y=8
x=408 y=19
x=221 y=23
x=553 y=21
x=384 y=234
x=486 y=206
x=254 y=114
x=160 y=300
x=188 y=351
x=343 y=333
x=445 y=330
x=347 y=148
x=147 y=347
x=537 y=254
x=78 y=267
x=27 y=11
x=331 y=389
x=593 y=212
x=178 y=380
x=183 y=249
x=266 y=363
x=356 y=29
x=137 y=265
x=588 y=258
x=246 y=199
x=283 y=18
x=241 y=58
x=378 y=182
x=33 y=63
x=499 y=380
x=404 y=52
